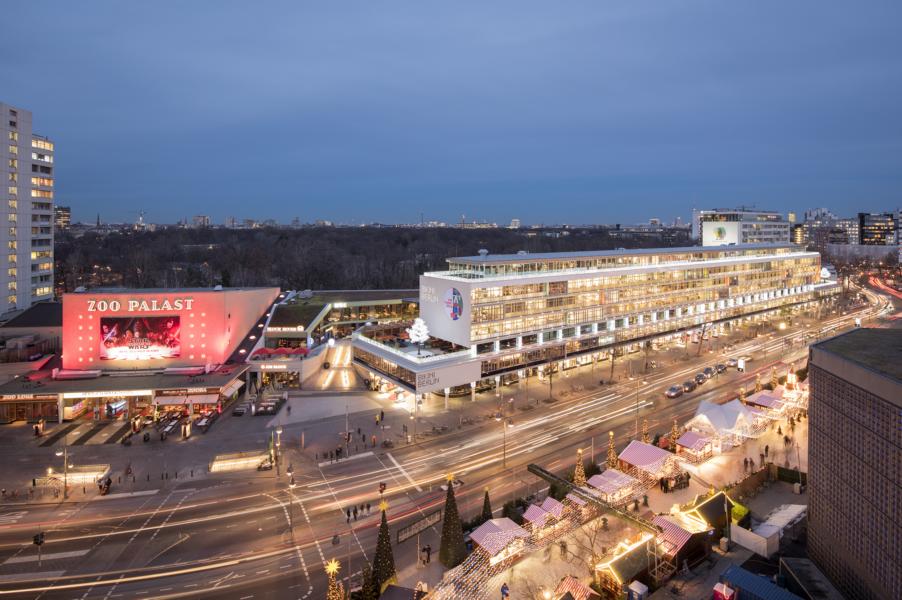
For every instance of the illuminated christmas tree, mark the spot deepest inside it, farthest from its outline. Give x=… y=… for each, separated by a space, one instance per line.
x=645 y=438
x=757 y=382
x=335 y=591
x=579 y=472
x=367 y=588
x=384 y=561
x=418 y=333
x=674 y=436
x=452 y=551
x=742 y=394
x=613 y=461
x=774 y=382
x=486 y=507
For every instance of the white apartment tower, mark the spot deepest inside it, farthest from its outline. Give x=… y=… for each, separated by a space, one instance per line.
x=26 y=218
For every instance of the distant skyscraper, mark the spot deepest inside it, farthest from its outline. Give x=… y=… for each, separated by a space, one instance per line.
x=515 y=224
x=855 y=483
x=26 y=167
x=791 y=217
x=62 y=217
x=202 y=221
x=876 y=229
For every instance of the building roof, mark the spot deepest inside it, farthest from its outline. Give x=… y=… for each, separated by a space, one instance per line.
x=125 y=290
x=814 y=582
x=693 y=441
x=723 y=417
x=495 y=535
x=712 y=510
x=611 y=481
x=536 y=515
x=550 y=505
x=878 y=350
x=629 y=564
x=756 y=585
x=540 y=256
x=575 y=588
x=765 y=399
x=673 y=537
x=645 y=457
x=40 y=314
x=302 y=311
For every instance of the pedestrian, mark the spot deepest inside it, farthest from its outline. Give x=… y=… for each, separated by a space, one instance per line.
x=505 y=591
x=358 y=431
x=428 y=553
x=381 y=415
x=377 y=420
x=355 y=513
x=367 y=508
x=374 y=440
x=348 y=520
x=423 y=556
x=362 y=508
x=289 y=409
x=766 y=449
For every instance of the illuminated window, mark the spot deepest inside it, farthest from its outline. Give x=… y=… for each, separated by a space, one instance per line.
x=12 y=271
x=12 y=244
x=13 y=163
x=41 y=254
x=13 y=136
x=42 y=181
x=42 y=194
x=43 y=157
x=13 y=204
x=12 y=218
x=11 y=299
x=42 y=144
x=13 y=177
x=42 y=291
x=13 y=149
x=13 y=190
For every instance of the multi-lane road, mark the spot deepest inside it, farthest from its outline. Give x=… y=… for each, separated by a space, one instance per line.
x=253 y=537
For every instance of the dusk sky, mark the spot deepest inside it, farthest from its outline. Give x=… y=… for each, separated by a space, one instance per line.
x=574 y=112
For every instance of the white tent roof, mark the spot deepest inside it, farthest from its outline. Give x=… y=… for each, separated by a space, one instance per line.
x=611 y=481
x=723 y=417
x=495 y=535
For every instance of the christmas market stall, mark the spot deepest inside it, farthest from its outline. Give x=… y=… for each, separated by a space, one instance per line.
x=614 y=487
x=694 y=447
x=684 y=539
x=632 y=559
x=726 y=425
x=768 y=404
x=499 y=539
x=571 y=588
x=648 y=463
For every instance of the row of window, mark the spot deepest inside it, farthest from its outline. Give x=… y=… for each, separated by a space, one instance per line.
x=42 y=181
x=42 y=144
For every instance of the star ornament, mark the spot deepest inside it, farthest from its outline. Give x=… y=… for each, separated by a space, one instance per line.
x=383 y=506
x=332 y=567
x=449 y=477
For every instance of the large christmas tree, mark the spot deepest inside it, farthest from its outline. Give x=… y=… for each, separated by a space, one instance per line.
x=384 y=561
x=335 y=591
x=579 y=472
x=453 y=551
x=486 y=508
x=758 y=385
x=774 y=380
x=674 y=436
x=645 y=438
x=367 y=587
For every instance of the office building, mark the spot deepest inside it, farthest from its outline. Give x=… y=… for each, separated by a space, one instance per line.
x=62 y=217
x=200 y=221
x=791 y=217
x=501 y=317
x=855 y=445
x=722 y=227
x=876 y=229
x=515 y=224
x=797 y=234
x=26 y=167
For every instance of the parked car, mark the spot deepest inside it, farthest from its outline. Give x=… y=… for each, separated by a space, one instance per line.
x=239 y=410
x=689 y=385
x=721 y=367
x=732 y=362
x=700 y=378
x=709 y=372
x=674 y=391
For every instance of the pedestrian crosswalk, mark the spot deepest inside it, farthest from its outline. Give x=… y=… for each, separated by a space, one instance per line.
x=8 y=518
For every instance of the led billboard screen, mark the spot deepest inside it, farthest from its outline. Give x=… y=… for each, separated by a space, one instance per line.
x=139 y=338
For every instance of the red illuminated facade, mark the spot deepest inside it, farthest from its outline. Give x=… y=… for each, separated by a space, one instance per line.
x=154 y=329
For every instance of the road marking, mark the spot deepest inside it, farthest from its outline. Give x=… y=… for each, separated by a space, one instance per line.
x=27 y=576
x=403 y=472
x=263 y=572
x=12 y=517
x=54 y=556
x=125 y=495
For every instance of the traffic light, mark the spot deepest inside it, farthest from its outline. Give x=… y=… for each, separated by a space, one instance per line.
x=381 y=487
x=39 y=539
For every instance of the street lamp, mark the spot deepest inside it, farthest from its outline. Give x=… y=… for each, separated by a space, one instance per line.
x=506 y=423
x=291 y=486
x=638 y=383
x=278 y=444
x=64 y=453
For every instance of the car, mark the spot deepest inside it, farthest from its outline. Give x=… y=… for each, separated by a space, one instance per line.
x=456 y=483
x=732 y=362
x=721 y=367
x=239 y=410
x=700 y=378
x=709 y=372
x=689 y=385
x=674 y=391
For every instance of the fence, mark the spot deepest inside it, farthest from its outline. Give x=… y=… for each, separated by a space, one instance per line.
x=791 y=475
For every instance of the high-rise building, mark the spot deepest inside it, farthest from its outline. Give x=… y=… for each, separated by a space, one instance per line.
x=791 y=217
x=855 y=445
x=200 y=221
x=876 y=229
x=797 y=234
x=62 y=217
x=515 y=224
x=722 y=227
x=26 y=167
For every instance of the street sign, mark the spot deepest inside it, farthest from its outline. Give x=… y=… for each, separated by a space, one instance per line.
x=417 y=527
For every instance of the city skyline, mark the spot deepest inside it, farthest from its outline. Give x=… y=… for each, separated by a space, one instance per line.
x=567 y=117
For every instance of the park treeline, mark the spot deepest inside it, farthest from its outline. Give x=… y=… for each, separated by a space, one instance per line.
x=304 y=258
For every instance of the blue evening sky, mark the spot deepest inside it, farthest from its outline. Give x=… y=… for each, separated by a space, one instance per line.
x=555 y=112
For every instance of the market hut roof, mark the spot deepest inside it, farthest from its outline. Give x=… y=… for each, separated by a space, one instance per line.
x=766 y=400
x=536 y=515
x=693 y=440
x=645 y=457
x=495 y=535
x=576 y=589
x=611 y=481
x=552 y=506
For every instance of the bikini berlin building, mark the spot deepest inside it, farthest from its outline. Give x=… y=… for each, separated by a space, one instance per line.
x=495 y=318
